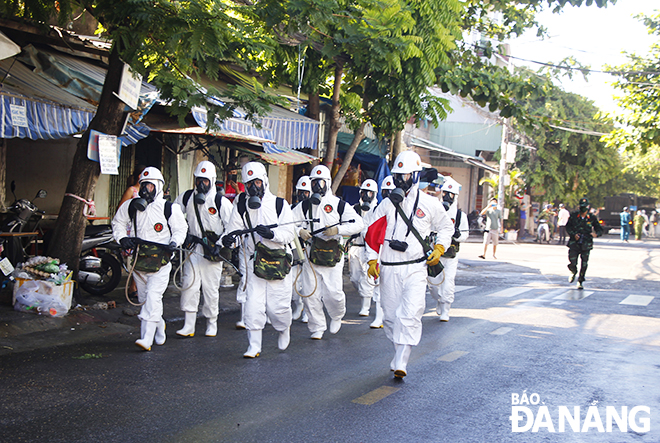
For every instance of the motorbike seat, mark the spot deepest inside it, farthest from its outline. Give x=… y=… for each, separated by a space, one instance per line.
x=97 y=230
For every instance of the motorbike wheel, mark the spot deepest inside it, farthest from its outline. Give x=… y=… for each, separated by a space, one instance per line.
x=110 y=276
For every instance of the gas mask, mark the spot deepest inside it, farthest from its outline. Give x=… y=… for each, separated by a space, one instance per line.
x=149 y=196
x=137 y=204
x=403 y=184
x=397 y=195
x=385 y=193
x=366 y=197
x=319 y=189
x=447 y=200
x=256 y=193
x=302 y=195
x=202 y=186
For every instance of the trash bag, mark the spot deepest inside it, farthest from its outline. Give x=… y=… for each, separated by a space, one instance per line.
x=36 y=297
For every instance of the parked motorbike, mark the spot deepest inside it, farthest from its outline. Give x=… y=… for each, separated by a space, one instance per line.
x=543 y=231
x=100 y=265
x=20 y=213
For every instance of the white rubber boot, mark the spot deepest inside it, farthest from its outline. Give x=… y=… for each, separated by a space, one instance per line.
x=299 y=309
x=241 y=323
x=305 y=318
x=378 y=321
x=366 y=304
x=335 y=326
x=212 y=327
x=148 y=338
x=254 y=349
x=160 y=336
x=284 y=339
x=444 y=311
x=188 y=329
x=318 y=335
x=401 y=360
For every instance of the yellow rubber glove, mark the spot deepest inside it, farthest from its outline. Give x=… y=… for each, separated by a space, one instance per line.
x=434 y=258
x=373 y=271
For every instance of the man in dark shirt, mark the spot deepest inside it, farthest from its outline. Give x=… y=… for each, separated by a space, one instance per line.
x=581 y=228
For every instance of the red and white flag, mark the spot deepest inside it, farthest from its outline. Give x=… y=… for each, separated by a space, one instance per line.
x=375 y=236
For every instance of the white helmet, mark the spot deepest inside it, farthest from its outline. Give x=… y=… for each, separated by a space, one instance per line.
x=387 y=183
x=153 y=175
x=451 y=185
x=407 y=162
x=320 y=171
x=369 y=185
x=304 y=184
x=205 y=169
x=254 y=170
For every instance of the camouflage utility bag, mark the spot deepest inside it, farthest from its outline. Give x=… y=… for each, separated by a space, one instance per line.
x=271 y=264
x=325 y=252
x=150 y=258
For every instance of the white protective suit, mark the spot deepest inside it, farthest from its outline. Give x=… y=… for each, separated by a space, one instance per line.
x=442 y=287
x=403 y=287
x=357 y=263
x=261 y=297
x=198 y=272
x=153 y=226
x=328 y=281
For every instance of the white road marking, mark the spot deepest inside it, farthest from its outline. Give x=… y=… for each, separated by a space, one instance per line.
x=463 y=288
x=510 y=292
x=376 y=395
x=501 y=331
x=557 y=302
x=637 y=300
x=453 y=356
x=574 y=294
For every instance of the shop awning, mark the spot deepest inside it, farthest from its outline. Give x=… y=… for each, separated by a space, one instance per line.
x=422 y=143
x=282 y=158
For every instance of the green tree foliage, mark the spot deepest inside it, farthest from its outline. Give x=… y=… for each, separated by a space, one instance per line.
x=568 y=165
x=639 y=81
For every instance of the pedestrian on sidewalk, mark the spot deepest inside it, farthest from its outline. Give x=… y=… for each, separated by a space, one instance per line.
x=582 y=228
x=149 y=217
x=638 y=223
x=402 y=256
x=493 y=224
x=625 y=224
x=562 y=218
x=207 y=213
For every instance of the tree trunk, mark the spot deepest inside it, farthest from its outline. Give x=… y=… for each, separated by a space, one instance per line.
x=397 y=145
x=70 y=228
x=3 y=173
x=314 y=112
x=334 y=124
x=358 y=137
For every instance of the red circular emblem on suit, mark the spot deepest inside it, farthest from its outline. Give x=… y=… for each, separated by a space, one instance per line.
x=212 y=211
x=158 y=227
x=327 y=208
x=420 y=213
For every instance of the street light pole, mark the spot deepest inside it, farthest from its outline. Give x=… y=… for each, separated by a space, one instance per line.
x=500 y=184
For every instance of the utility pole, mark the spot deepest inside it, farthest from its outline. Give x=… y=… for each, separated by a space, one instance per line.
x=500 y=184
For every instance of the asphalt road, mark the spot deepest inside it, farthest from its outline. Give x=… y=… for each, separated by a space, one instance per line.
x=516 y=329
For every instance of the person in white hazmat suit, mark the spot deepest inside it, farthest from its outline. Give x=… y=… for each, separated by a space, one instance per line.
x=322 y=273
x=149 y=217
x=303 y=192
x=386 y=186
x=263 y=298
x=403 y=275
x=357 y=260
x=442 y=287
x=207 y=214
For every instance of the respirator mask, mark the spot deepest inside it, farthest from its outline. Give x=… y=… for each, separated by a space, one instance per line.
x=447 y=200
x=385 y=193
x=397 y=195
x=302 y=195
x=256 y=193
x=318 y=191
x=136 y=205
x=145 y=193
x=202 y=186
x=366 y=197
x=404 y=181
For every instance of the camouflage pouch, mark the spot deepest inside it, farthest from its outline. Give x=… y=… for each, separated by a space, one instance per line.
x=210 y=239
x=325 y=252
x=271 y=264
x=150 y=258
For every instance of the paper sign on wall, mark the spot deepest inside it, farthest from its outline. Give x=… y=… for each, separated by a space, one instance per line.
x=94 y=151
x=18 y=115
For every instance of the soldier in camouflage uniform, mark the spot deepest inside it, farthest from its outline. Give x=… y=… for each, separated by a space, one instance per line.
x=581 y=228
